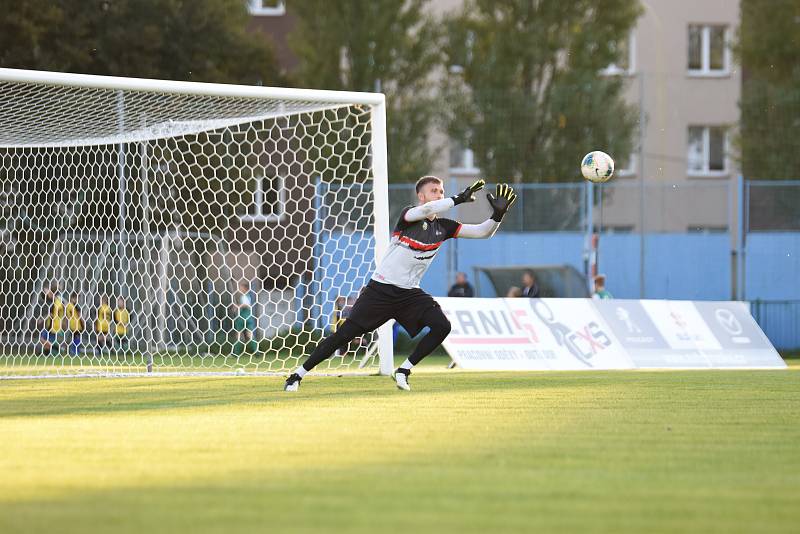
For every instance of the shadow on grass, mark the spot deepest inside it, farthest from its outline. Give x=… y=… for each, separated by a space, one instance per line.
x=120 y=395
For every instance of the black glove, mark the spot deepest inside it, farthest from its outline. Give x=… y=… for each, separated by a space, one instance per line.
x=468 y=194
x=505 y=196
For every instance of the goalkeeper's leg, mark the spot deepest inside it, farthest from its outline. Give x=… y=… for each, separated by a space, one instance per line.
x=343 y=335
x=439 y=326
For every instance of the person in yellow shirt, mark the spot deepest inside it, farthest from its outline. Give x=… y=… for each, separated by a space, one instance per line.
x=53 y=322
x=75 y=323
x=122 y=319
x=102 y=326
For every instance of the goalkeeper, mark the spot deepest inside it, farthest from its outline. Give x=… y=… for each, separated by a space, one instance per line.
x=394 y=292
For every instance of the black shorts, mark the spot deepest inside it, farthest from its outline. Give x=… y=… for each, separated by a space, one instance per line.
x=379 y=302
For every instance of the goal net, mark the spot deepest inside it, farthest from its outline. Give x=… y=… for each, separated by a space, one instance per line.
x=169 y=227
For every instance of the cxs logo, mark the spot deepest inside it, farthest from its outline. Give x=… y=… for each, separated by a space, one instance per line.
x=583 y=344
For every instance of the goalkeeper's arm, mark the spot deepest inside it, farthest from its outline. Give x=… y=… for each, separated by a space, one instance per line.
x=484 y=230
x=438 y=206
x=500 y=203
x=424 y=211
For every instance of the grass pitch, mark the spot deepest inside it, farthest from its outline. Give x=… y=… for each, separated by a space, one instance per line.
x=624 y=451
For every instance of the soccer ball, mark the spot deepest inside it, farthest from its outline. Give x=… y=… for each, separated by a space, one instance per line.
x=597 y=167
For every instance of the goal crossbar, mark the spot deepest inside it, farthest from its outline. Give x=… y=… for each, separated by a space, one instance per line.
x=92 y=81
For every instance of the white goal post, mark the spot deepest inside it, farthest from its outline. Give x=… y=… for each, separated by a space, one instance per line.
x=153 y=226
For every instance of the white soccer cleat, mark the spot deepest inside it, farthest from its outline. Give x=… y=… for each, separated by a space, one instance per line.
x=400 y=377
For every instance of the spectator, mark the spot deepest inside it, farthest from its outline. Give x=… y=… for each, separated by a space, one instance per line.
x=514 y=292
x=461 y=288
x=76 y=324
x=122 y=319
x=529 y=287
x=53 y=323
x=245 y=323
x=600 y=291
x=102 y=326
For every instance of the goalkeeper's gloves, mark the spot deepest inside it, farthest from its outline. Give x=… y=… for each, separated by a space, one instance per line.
x=468 y=194
x=500 y=202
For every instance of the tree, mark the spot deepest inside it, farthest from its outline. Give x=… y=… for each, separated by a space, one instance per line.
x=369 y=45
x=201 y=40
x=197 y=40
x=768 y=45
x=528 y=96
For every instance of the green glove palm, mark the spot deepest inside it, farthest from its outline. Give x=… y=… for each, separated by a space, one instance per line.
x=500 y=202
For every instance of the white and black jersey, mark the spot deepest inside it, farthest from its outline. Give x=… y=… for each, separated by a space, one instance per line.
x=413 y=247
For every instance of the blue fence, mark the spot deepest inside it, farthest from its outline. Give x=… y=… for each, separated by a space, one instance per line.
x=672 y=269
x=677 y=266
x=772 y=266
x=549 y=226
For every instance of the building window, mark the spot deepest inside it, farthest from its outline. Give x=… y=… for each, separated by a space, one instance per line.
x=462 y=159
x=626 y=57
x=618 y=228
x=269 y=199
x=707 y=147
x=267 y=8
x=709 y=54
x=706 y=229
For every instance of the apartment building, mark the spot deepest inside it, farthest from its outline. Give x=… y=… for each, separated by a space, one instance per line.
x=680 y=74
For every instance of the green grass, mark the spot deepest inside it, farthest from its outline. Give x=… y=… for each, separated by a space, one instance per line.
x=688 y=451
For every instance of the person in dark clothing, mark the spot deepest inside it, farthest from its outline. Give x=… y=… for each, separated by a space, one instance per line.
x=529 y=287
x=461 y=288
